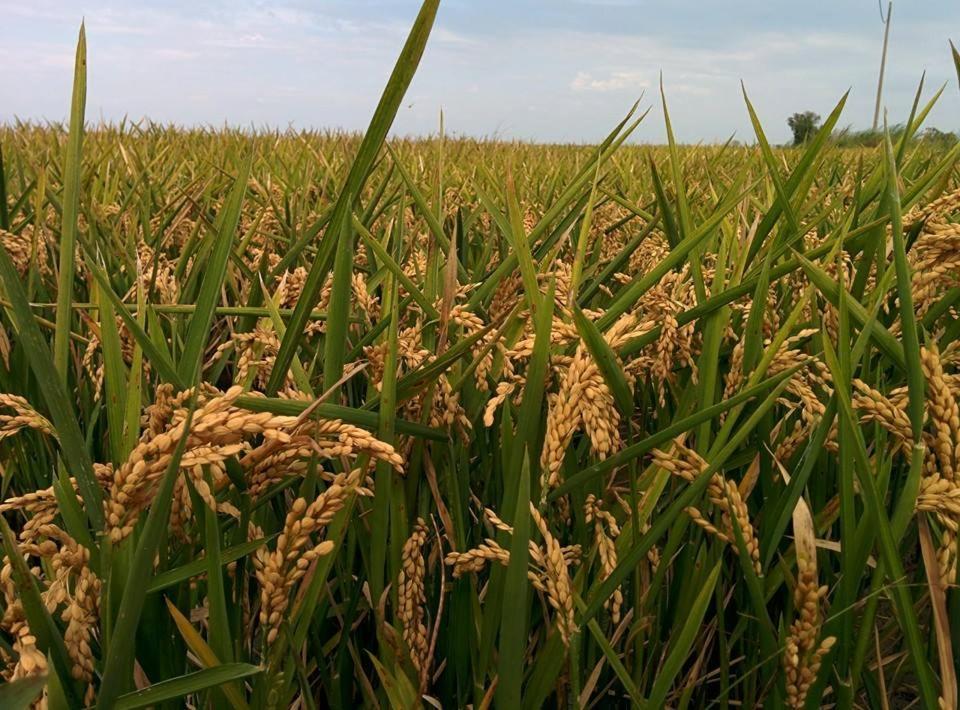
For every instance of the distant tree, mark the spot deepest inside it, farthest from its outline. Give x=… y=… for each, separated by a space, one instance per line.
x=935 y=135
x=803 y=125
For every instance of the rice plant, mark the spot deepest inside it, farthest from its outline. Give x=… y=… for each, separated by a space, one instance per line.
x=307 y=419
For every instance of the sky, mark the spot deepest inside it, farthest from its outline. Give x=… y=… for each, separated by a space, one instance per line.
x=543 y=70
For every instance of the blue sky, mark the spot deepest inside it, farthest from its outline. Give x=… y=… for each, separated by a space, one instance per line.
x=553 y=70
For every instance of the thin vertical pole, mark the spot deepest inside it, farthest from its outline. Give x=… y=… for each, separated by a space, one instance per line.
x=883 y=64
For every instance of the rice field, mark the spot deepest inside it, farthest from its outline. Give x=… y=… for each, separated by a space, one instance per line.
x=307 y=419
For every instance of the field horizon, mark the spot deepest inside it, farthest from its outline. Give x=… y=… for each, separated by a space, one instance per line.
x=145 y=124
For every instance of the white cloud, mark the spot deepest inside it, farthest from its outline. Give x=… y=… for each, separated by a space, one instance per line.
x=447 y=36
x=175 y=54
x=241 y=41
x=608 y=3
x=614 y=81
